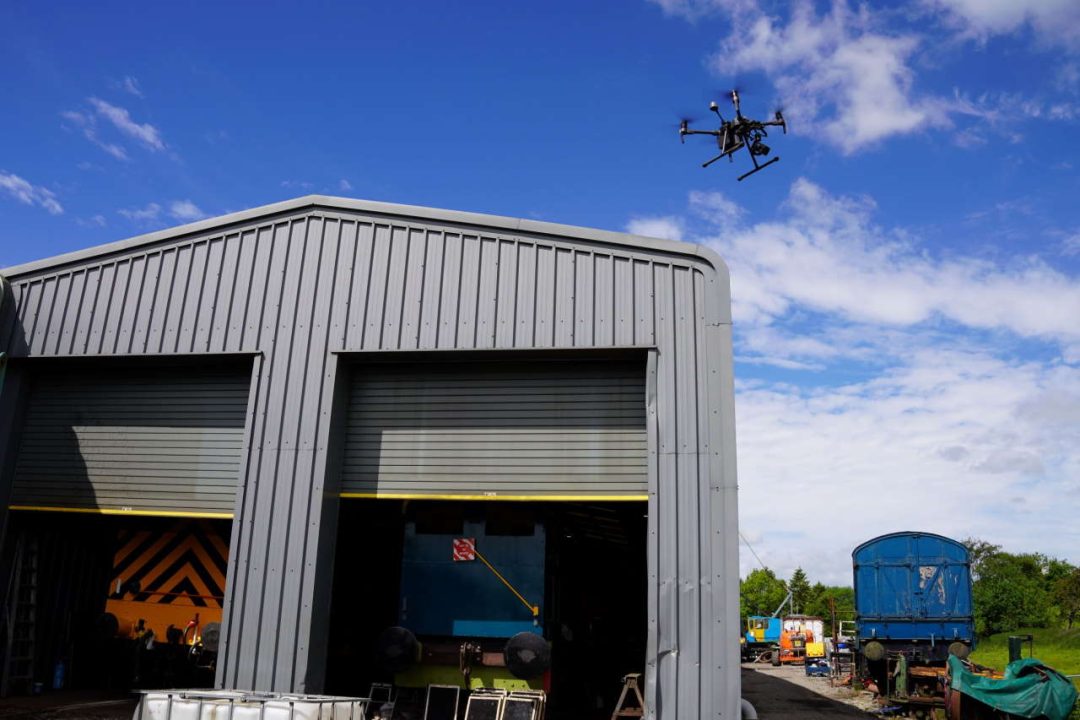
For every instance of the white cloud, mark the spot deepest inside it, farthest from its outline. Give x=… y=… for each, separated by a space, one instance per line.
x=296 y=184
x=936 y=443
x=131 y=85
x=344 y=185
x=185 y=210
x=1053 y=21
x=88 y=124
x=846 y=74
x=29 y=194
x=666 y=228
x=693 y=10
x=717 y=208
x=840 y=77
x=93 y=221
x=1071 y=244
x=828 y=256
x=182 y=210
x=142 y=215
x=145 y=133
x=916 y=392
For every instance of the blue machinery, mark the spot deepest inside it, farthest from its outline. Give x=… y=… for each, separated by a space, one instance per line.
x=470 y=607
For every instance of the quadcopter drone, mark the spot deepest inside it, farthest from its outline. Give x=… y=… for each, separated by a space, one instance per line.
x=733 y=135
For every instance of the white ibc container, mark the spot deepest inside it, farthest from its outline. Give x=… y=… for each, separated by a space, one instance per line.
x=246 y=705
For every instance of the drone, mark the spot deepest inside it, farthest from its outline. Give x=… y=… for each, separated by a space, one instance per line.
x=734 y=135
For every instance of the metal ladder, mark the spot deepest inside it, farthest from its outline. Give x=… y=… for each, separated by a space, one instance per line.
x=20 y=619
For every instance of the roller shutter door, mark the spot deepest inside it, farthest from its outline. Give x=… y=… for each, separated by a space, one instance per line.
x=167 y=441
x=545 y=429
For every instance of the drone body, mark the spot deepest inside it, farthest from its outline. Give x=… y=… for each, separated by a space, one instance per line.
x=738 y=133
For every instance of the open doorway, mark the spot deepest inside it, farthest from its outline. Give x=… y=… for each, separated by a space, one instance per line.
x=462 y=582
x=109 y=603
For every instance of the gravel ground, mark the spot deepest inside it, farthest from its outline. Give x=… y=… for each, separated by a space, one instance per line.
x=780 y=693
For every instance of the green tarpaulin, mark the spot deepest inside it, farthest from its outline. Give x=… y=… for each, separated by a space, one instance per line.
x=1029 y=689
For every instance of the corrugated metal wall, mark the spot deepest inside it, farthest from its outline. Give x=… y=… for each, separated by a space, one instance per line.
x=300 y=281
x=168 y=441
x=497 y=430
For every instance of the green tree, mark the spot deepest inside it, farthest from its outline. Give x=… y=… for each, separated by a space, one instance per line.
x=761 y=593
x=980 y=551
x=1011 y=592
x=843 y=597
x=801 y=592
x=1067 y=597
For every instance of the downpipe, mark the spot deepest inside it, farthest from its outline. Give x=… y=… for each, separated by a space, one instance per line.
x=747 y=710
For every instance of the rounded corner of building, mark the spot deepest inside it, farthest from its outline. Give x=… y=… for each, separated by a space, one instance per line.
x=715 y=261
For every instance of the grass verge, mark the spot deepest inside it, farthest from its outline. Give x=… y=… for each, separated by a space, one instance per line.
x=1057 y=647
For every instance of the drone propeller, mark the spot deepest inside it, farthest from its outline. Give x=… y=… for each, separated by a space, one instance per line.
x=778 y=115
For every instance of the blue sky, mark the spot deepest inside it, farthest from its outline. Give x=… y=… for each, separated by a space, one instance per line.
x=906 y=279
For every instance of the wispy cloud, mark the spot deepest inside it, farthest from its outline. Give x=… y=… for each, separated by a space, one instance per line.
x=666 y=228
x=131 y=86
x=151 y=212
x=1055 y=22
x=120 y=118
x=185 y=210
x=847 y=75
x=344 y=185
x=93 y=221
x=29 y=194
x=87 y=121
x=182 y=210
x=297 y=184
x=837 y=73
x=88 y=125
x=878 y=276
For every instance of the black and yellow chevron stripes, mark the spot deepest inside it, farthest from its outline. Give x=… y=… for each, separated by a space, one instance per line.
x=185 y=562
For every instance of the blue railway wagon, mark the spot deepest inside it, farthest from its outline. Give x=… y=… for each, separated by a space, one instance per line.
x=913 y=593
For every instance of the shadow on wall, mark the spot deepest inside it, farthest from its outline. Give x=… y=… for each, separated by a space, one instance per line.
x=132 y=438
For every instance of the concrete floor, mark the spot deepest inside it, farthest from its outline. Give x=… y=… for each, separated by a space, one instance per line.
x=68 y=705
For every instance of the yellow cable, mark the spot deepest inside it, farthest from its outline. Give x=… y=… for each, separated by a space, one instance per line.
x=534 y=609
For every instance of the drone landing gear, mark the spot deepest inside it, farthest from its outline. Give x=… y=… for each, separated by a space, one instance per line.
x=726 y=154
x=757 y=167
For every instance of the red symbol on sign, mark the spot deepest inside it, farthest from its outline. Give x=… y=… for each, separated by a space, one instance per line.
x=464 y=549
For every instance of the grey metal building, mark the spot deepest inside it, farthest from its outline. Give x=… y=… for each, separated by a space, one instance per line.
x=271 y=364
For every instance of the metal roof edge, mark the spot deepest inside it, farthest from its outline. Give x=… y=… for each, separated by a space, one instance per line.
x=381 y=208
x=908 y=533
